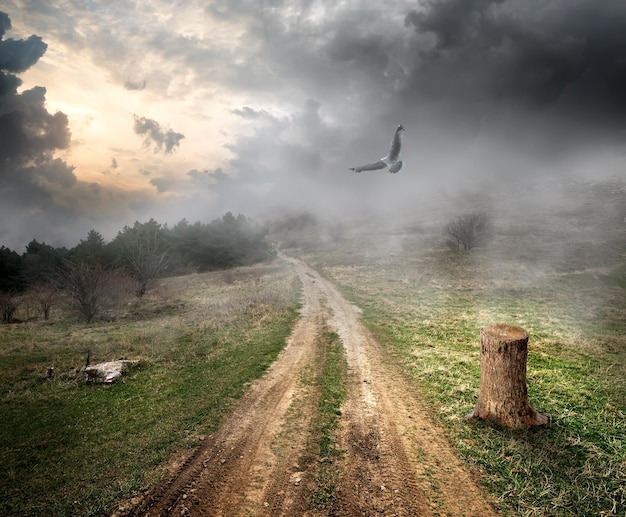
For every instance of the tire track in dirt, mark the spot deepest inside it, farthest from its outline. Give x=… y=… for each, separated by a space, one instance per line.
x=235 y=471
x=397 y=461
x=260 y=460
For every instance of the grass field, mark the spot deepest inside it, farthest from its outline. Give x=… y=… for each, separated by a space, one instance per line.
x=574 y=466
x=563 y=282
x=67 y=448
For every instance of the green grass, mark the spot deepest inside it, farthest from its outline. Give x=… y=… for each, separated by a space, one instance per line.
x=67 y=448
x=333 y=390
x=427 y=305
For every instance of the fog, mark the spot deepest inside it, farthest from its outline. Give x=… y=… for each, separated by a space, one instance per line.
x=506 y=105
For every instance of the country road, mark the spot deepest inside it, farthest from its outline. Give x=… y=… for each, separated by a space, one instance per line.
x=260 y=461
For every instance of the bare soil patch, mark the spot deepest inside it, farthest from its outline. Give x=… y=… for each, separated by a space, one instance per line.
x=259 y=462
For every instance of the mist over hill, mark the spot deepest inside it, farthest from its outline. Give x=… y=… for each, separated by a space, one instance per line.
x=540 y=225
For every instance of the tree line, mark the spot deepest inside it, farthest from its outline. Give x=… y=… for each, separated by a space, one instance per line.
x=142 y=252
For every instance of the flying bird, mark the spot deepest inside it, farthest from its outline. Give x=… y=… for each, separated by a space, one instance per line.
x=391 y=160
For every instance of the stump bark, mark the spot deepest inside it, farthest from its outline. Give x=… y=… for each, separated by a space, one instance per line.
x=503 y=394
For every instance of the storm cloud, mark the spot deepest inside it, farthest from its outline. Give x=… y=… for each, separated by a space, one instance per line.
x=27 y=131
x=40 y=195
x=556 y=68
x=282 y=97
x=29 y=134
x=163 y=139
x=18 y=55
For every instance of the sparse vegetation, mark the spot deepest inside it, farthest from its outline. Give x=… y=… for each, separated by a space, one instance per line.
x=8 y=306
x=469 y=230
x=333 y=386
x=72 y=449
x=89 y=287
x=44 y=297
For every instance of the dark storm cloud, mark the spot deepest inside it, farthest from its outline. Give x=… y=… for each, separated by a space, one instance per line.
x=459 y=23
x=555 y=67
x=5 y=23
x=28 y=132
x=350 y=46
x=18 y=55
x=40 y=196
x=31 y=180
x=165 y=140
x=8 y=83
x=296 y=49
x=42 y=186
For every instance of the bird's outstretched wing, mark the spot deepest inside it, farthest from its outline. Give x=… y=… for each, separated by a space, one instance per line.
x=391 y=160
x=396 y=144
x=370 y=166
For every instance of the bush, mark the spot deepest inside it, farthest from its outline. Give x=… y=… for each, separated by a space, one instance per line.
x=90 y=287
x=8 y=306
x=469 y=230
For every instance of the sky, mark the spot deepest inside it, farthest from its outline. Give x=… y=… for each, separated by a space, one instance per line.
x=113 y=112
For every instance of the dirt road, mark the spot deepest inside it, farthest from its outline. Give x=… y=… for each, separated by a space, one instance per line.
x=261 y=460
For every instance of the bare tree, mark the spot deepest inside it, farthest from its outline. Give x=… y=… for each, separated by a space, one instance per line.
x=143 y=251
x=8 y=306
x=44 y=297
x=469 y=230
x=86 y=285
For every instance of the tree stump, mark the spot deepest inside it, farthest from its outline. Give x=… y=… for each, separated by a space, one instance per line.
x=503 y=394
